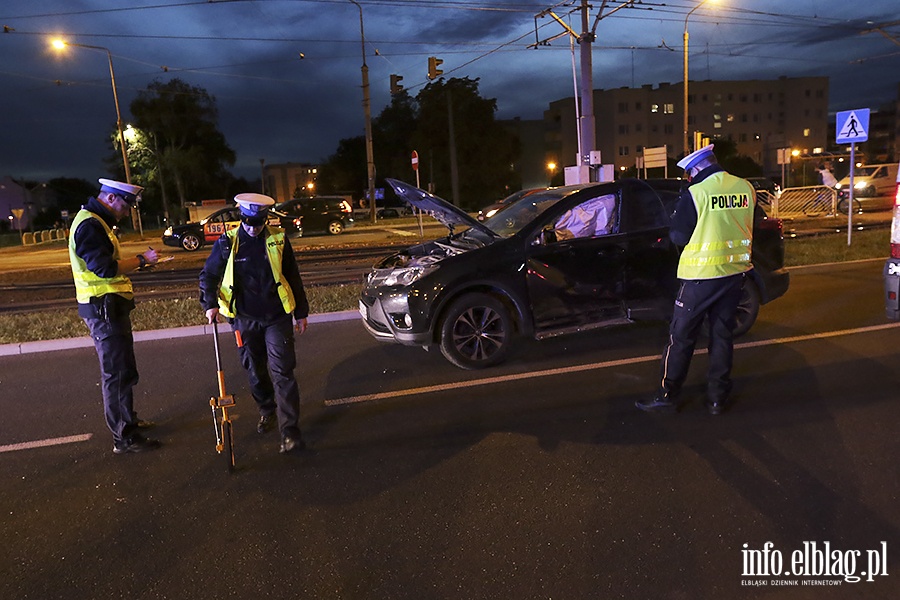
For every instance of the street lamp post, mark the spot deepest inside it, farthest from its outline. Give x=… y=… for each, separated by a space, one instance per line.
x=370 y=161
x=60 y=44
x=685 y=139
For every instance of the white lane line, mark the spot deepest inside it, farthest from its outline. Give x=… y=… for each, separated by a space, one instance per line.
x=443 y=387
x=400 y=232
x=72 y=439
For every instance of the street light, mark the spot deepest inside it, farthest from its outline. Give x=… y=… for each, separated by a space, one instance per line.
x=60 y=44
x=685 y=139
x=370 y=161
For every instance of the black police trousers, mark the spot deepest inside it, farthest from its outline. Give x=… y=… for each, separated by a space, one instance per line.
x=114 y=343
x=267 y=354
x=697 y=300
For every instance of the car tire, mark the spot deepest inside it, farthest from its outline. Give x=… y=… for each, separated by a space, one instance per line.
x=335 y=227
x=476 y=331
x=191 y=242
x=748 y=308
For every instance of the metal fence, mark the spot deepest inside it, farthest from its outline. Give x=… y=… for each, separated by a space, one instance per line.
x=812 y=201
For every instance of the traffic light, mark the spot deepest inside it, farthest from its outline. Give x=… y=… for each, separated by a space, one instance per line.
x=396 y=88
x=433 y=71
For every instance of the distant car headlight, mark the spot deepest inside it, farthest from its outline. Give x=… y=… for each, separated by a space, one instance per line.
x=168 y=232
x=837 y=186
x=408 y=275
x=490 y=213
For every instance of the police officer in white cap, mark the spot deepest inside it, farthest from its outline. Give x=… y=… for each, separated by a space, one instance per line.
x=713 y=221
x=251 y=278
x=105 y=301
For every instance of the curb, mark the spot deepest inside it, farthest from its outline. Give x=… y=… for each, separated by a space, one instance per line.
x=145 y=336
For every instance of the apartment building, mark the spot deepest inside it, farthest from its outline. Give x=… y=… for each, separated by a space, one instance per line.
x=760 y=116
x=290 y=180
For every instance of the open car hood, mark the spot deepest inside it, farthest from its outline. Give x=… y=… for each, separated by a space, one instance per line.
x=450 y=216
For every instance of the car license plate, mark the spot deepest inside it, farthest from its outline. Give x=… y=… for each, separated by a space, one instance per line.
x=362 y=310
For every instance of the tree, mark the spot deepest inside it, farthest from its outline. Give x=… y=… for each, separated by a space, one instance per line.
x=485 y=153
x=180 y=122
x=736 y=164
x=485 y=150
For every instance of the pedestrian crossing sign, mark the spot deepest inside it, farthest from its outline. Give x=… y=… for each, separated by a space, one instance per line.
x=852 y=126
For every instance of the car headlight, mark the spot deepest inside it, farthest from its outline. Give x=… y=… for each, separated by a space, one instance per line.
x=408 y=275
x=167 y=232
x=837 y=186
x=861 y=185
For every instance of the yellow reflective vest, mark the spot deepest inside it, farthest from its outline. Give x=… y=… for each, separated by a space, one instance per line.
x=721 y=242
x=275 y=251
x=87 y=283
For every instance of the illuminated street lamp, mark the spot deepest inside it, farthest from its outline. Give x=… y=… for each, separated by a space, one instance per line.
x=701 y=3
x=61 y=45
x=551 y=167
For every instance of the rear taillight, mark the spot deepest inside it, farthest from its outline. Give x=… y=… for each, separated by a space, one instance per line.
x=770 y=223
x=895 y=226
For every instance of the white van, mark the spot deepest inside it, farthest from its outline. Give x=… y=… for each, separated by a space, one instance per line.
x=871 y=181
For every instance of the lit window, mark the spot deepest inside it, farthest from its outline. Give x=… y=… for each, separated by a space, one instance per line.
x=668 y=108
x=654 y=108
x=806 y=133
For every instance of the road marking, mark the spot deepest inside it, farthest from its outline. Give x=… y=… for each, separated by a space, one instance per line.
x=443 y=387
x=400 y=232
x=48 y=442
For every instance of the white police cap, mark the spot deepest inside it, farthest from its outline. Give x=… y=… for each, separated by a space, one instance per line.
x=131 y=192
x=690 y=161
x=252 y=204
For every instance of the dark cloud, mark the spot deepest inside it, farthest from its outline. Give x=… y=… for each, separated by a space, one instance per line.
x=56 y=112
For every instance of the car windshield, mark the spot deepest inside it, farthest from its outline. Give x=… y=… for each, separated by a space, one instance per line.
x=865 y=171
x=512 y=217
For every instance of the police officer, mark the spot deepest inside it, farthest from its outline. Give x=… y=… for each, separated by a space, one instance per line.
x=251 y=278
x=713 y=221
x=105 y=301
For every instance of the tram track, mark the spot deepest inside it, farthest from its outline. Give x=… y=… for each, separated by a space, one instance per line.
x=344 y=266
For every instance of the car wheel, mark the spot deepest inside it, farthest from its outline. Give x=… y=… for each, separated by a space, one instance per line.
x=335 y=227
x=748 y=308
x=476 y=332
x=191 y=242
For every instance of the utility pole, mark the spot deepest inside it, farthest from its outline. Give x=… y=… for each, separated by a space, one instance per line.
x=588 y=132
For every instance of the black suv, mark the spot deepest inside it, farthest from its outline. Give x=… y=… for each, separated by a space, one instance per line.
x=555 y=261
x=331 y=214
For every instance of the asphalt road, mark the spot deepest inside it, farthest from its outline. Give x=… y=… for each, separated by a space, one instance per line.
x=537 y=479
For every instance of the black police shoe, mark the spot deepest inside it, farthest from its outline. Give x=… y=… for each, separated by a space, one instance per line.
x=291 y=443
x=657 y=405
x=136 y=444
x=265 y=423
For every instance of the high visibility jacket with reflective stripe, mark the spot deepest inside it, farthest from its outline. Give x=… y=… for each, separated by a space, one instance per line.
x=87 y=283
x=721 y=242
x=275 y=251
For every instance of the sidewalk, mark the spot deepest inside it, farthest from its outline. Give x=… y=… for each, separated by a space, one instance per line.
x=144 y=336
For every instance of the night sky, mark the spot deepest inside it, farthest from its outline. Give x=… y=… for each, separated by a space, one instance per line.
x=56 y=109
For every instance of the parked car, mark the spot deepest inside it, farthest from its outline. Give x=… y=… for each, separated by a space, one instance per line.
x=873 y=188
x=490 y=210
x=892 y=266
x=331 y=214
x=556 y=261
x=193 y=236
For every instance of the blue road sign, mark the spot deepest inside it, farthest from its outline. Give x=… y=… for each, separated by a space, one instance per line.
x=852 y=126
